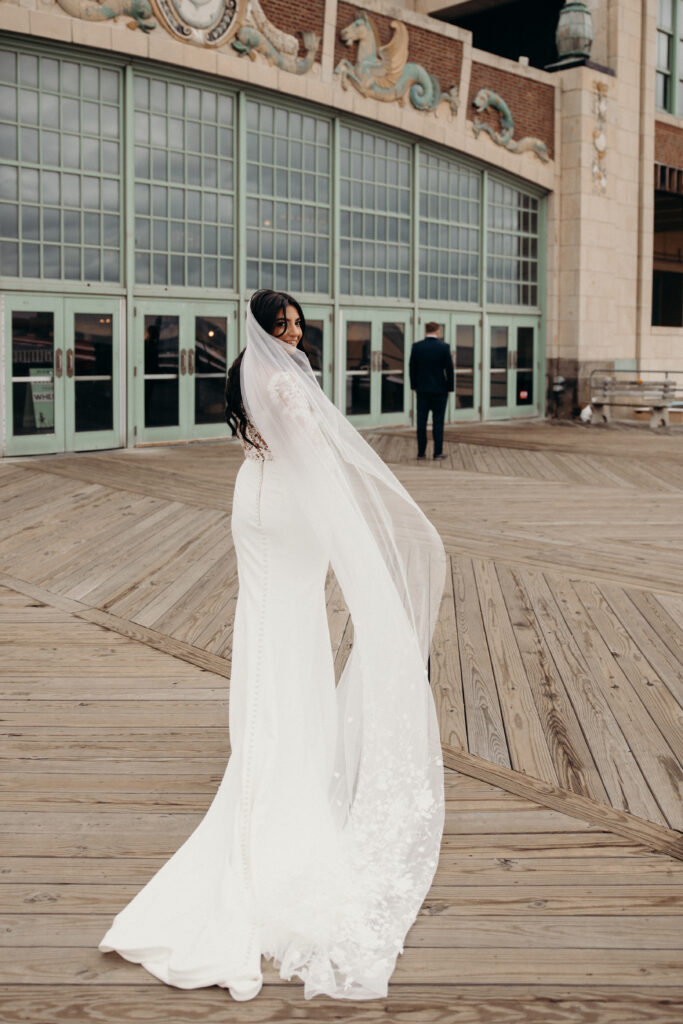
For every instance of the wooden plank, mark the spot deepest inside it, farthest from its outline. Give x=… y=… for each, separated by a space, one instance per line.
x=525 y=737
x=84 y=714
x=459 y=1002
x=456 y=867
x=619 y=770
x=446 y=677
x=134 y=843
x=485 y=730
x=446 y=901
x=649 y=746
x=667 y=628
x=533 y=932
x=654 y=836
x=574 y=763
x=149 y=637
x=663 y=708
x=415 y=966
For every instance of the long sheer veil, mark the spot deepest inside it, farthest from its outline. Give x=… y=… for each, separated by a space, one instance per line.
x=386 y=791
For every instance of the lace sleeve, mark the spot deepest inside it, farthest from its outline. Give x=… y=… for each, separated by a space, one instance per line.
x=285 y=388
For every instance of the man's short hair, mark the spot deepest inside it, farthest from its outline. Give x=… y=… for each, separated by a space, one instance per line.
x=432 y=328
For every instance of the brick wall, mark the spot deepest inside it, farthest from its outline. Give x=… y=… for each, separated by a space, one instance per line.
x=668 y=144
x=532 y=104
x=295 y=17
x=441 y=56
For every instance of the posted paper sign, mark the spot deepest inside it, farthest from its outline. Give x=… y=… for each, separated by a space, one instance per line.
x=43 y=395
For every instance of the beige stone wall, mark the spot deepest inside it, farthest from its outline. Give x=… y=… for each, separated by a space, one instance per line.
x=664 y=350
x=604 y=234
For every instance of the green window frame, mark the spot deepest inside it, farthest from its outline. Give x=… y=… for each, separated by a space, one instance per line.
x=375 y=192
x=184 y=184
x=60 y=168
x=669 y=57
x=512 y=249
x=449 y=233
x=288 y=192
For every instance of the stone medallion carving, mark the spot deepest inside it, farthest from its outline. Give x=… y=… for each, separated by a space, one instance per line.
x=206 y=22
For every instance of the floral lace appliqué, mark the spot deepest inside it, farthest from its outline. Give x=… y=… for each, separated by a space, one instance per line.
x=260 y=454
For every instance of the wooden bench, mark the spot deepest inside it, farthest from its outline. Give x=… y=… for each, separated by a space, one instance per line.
x=657 y=395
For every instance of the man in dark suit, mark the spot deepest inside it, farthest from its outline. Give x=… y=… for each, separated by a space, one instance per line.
x=431 y=376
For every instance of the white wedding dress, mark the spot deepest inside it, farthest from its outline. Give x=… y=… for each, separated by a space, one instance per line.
x=323 y=837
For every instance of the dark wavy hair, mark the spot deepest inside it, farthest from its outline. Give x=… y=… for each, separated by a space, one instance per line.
x=266 y=305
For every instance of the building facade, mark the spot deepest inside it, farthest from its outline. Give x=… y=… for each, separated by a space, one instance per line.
x=160 y=160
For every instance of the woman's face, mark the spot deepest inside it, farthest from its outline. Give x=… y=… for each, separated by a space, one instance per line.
x=287 y=326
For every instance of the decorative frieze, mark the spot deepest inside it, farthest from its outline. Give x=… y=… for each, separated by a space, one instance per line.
x=487 y=99
x=278 y=48
x=384 y=72
x=208 y=23
x=92 y=10
x=204 y=22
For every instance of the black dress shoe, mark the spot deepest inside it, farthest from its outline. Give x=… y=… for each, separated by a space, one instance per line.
x=440 y=456
x=422 y=456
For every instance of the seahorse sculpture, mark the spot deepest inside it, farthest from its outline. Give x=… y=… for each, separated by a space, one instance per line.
x=276 y=46
x=487 y=99
x=384 y=72
x=91 y=10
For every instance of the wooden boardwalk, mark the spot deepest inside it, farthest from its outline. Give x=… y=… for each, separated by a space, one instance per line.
x=557 y=674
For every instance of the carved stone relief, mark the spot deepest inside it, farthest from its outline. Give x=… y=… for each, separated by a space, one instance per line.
x=208 y=23
x=487 y=99
x=278 y=48
x=384 y=72
x=599 y=137
x=92 y=10
x=204 y=22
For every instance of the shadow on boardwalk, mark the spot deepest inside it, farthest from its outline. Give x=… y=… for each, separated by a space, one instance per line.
x=557 y=675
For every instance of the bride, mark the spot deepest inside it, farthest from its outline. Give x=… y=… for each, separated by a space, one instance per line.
x=323 y=838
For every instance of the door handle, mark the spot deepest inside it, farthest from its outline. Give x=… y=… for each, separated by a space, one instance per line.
x=58 y=362
x=183 y=368
x=190 y=361
x=69 y=362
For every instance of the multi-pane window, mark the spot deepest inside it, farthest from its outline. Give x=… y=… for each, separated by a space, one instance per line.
x=60 y=165
x=374 y=223
x=288 y=199
x=512 y=247
x=449 y=230
x=184 y=185
x=669 y=57
x=664 y=54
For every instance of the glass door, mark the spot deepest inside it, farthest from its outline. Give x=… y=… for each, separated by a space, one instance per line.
x=375 y=361
x=512 y=375
x=462 y=332
x=62 y=360
x=183 y=353
x=319 y=344
x=34 y=362
x=92 y=374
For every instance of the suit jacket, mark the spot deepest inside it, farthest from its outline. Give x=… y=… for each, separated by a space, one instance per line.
x=431 y=366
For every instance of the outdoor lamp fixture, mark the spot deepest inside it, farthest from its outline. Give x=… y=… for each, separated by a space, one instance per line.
x=574 y=34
